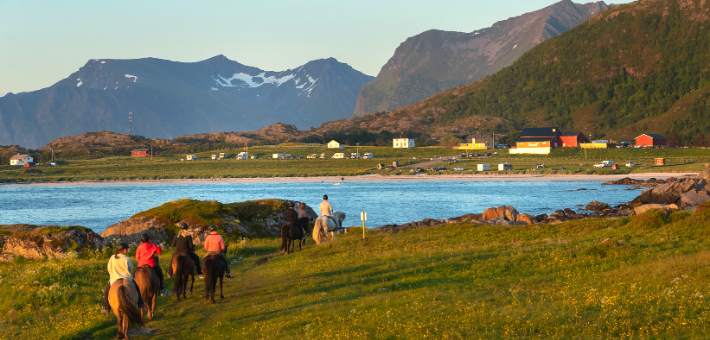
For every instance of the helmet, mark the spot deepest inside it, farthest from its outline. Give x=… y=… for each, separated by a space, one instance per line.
x=291 y=204
x=145 y=237
x=122 y=246
x=325 y=197
x=183 y=225
x=213 y=228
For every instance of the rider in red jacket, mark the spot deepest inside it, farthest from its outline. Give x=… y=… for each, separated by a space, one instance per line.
x=145 y=254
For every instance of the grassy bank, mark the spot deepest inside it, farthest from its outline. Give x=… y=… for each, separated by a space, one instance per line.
x=643 y=277
x=175 y=167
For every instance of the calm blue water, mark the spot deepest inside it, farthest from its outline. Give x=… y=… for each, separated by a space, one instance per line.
x=98 y=207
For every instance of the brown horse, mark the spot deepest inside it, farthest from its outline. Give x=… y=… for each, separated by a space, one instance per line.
x=123 y=298
x=290 y=232
x=183 y=269
x=149 y=285
x=213 y=268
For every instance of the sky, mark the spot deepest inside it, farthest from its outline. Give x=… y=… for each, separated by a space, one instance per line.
x=43 y=41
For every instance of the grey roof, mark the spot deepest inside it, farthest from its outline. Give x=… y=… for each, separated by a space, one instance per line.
x=476 y=136
x=540 y=132
x=544 y=139
x=404 y=135
x=570 y=133
x=20 y=156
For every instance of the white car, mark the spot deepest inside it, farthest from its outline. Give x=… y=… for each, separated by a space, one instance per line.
x=630 y=164
x=599 y=165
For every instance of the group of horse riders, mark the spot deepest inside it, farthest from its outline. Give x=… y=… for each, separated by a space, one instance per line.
x=121 y=267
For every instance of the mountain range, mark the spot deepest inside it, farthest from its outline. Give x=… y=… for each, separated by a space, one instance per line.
x=168 y=99
x=434 y=61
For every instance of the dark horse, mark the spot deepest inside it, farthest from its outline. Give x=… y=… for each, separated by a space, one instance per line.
x=290 y=232
x=183 y=269
x=149 y=285
x=213 y=268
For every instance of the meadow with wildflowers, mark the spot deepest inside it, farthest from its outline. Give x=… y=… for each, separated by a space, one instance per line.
x=639 y=277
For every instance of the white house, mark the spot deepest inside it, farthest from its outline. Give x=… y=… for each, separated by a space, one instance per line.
x=505 y=166
x=20 y=160
x=403 y=141
x=484 y=167
x=334 y=144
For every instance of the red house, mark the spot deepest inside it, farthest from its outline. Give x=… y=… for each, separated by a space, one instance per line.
x=141 y=153
x=651 y=140
x=572 y=139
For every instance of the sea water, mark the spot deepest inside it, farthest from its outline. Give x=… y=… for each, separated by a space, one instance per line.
x=100 y=206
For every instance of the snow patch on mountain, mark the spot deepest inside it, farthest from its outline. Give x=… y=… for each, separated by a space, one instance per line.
x=79 y=80
x=130 y=76
x=250 y=81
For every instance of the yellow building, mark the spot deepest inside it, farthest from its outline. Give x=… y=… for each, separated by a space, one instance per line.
x=476 y=142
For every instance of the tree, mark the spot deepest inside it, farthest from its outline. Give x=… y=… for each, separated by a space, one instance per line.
x=673 y=140
x=701 y=140
x=450 y=141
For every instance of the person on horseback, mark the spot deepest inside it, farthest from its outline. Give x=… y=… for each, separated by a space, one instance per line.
x=146 y=256
x=327 y=210
x=214 y=244
x=303 y=217
x=290 y=214
x=182 y=243
x=120 y=267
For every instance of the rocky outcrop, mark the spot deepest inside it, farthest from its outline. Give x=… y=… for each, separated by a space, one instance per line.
x=652 y=182
x=37 y=243
x=507 y=213
x=705 y=174
x=265 y=221
x=646 y=207
x=684 y=193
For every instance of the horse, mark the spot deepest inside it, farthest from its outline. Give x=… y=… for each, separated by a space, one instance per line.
x=149 y=285
x=123 y=298
x=213 y=268
x=290 y=232
x=325 y=224
x=183 y=269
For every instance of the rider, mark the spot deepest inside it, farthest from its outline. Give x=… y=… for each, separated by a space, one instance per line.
x=182 y=243
x=214 y=244
x=120 y=267
x=145 y=254
x=326 y=209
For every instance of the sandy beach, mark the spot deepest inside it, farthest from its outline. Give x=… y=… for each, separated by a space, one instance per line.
x=372 y=178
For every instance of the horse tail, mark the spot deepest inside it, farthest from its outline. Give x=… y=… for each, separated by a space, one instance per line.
x=128 y=308
x=143 y=279
x=179 y=267
x=208 y=271
x=284 y=237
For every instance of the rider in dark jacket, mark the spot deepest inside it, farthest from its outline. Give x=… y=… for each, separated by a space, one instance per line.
x=182 y=243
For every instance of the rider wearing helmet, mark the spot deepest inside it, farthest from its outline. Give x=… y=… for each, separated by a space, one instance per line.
x=146 y=254
x=120 y=267
x=325 y=208
x=214 y=244
x=182 y=243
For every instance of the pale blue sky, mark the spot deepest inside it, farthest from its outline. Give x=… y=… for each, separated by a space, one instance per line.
x=43 y=41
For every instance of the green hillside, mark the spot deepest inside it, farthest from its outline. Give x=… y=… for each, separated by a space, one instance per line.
x=640 y=277
x=629 y=63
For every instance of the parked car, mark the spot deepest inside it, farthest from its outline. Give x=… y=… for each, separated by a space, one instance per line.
x=563 y=168
x=540 y=165
x=502 y=146
x=615 y=167
x=458 y=168
x=488 y=154
x=599 y=165
x=630 y=164
x=418 y=170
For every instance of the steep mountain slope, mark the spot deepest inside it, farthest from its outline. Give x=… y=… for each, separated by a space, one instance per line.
x=629 y=63
x=173 y=98
x=433 y=61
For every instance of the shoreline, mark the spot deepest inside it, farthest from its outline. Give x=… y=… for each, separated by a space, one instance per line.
x=365 y=178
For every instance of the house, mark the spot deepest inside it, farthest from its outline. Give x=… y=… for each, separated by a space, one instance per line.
x=191 y=157
x=476 y=142
x=334 y=144
x=141 y=153
x=21 y=159
x=505 y=166
x=483 y=167
x=403 y=141
x=538 y=141
x=651 y=140
x=572 y=139
x=598 y=144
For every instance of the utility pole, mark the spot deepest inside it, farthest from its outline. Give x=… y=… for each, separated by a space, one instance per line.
x=130 y=123
x=358 y=150
x=151 y=152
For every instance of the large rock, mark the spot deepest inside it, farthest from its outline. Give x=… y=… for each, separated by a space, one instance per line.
x=705 y=174
x=646 y=207
x=37 y=243
x=670 y=193
x=525 y=218
x=507 y=212
x=693 y=199
x=597 y=206
x=130 y=230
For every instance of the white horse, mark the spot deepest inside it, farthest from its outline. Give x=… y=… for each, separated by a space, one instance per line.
x=325 y=224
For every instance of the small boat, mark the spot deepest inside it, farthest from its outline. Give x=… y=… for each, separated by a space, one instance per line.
x=336 y=183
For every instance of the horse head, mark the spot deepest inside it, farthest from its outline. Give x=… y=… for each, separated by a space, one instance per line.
x=340 y=216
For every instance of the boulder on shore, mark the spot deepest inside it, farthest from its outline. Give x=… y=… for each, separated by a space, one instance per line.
x=597 y=206
x=671 y=193
x=506 y=212
x=35 y=242
x=248 y=218
x=646 y=207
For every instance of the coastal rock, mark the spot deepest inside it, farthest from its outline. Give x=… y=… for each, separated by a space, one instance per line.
x=646 y=207
x=6 y=257
x=130 y=231
x=527 y=219
x=507 y=212
x=597 y=206
x=670 y=193
x=465 y=218
x=692 y=199
x=705 y=174
x=652 y=182
x=37 y=243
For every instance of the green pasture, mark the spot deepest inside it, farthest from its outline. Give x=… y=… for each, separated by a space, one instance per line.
x=640 y=277
x=176 y=167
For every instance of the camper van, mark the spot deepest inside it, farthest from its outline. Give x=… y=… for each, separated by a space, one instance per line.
x=243 y=155
x=339 y=155
x=355 y=155
x=223 y=155
x=484 y=167
x=368 y=156
x=215 y=157
x=312 y=156
x=191 y=157
x=505 y=166
x=281 y=156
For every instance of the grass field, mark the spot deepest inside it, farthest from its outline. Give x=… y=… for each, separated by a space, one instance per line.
x=641 y=277
x=175 y=167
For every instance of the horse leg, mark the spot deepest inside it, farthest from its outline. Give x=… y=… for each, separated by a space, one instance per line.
x=191 y=283
x=125 y=326
x=152 y=309
x=221 y=295
x=118 y=321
